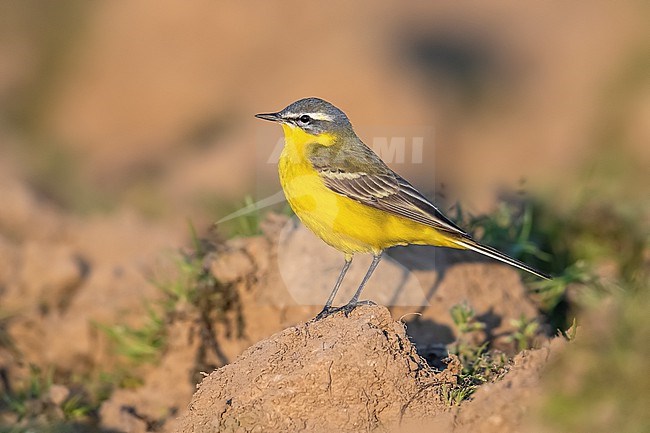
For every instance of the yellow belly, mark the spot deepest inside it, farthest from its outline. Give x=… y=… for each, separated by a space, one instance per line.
x=343 y=223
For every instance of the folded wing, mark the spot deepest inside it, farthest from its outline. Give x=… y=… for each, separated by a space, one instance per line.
x=388 y=192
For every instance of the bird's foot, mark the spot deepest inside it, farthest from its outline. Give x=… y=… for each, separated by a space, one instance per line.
x=350 y=306
x=326 y=311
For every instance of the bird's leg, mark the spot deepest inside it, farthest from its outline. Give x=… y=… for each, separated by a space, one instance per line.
x=347 y=308
x=327 y=309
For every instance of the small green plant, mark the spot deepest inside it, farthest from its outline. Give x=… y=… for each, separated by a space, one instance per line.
x=33 y=402
x=551 y=292
x=142 y=344
x=36 y=385
x=525 y=332
x=248 y=224
x=478 y=366
x=455 y=394
x=244 y=218
x=6 y=341
x=465 y=319
x=510 y=228
x=241 y=219
x=482 y=367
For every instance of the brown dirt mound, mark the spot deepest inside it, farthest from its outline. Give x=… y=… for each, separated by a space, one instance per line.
x=338 y=374
x=358 y=374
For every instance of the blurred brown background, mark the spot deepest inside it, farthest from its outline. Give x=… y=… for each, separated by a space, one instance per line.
x=149 y=106
x=120 y=121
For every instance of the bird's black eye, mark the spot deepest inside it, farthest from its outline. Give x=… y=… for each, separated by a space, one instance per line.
x=304 y=119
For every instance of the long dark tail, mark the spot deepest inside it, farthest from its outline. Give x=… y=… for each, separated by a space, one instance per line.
x=471 y=244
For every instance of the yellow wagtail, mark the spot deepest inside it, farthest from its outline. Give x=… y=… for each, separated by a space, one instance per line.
x=342 y=191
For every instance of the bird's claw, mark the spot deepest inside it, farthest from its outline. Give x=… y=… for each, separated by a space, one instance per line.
x=348 y=308
x=326 y=311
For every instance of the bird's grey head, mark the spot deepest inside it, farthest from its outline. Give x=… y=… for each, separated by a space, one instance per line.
x=313 y=115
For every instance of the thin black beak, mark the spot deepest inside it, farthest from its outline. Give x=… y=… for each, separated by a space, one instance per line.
x=273 y=117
